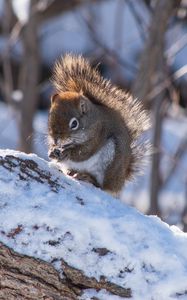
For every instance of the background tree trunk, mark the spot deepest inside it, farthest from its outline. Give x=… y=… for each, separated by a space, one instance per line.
x=153 y=53
x=31 y=65
x=29 y=78
x=152 y=72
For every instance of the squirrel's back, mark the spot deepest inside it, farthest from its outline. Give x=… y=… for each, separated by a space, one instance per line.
x=74 y=74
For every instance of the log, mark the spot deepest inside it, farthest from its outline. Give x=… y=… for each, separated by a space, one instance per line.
x=31 y=278
x=65 y=239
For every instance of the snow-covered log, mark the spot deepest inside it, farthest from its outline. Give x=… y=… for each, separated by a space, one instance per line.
x=64 y=239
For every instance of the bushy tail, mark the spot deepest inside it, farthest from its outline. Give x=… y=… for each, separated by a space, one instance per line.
x=74 y=73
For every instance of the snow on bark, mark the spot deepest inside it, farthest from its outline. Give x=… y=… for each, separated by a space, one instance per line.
x=98 y=246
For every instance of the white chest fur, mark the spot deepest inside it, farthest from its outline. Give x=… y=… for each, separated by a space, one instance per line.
x=96 y=164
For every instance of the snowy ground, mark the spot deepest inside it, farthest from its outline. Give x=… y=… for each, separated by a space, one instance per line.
x=143 y=253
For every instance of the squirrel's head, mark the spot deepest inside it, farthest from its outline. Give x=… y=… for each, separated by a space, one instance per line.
x=72 y=122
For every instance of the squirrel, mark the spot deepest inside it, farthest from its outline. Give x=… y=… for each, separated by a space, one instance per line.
x=94 y=126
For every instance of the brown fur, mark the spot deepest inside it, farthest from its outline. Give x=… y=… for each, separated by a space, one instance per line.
x=111 y=113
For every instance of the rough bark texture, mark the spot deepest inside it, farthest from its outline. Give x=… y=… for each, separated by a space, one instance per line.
x=23 y=277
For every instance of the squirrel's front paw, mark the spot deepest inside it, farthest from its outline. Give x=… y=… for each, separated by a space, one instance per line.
x=58 y=154
x=85 y=177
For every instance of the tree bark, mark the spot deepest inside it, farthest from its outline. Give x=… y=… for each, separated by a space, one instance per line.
x=23 y=277
x=27 y=278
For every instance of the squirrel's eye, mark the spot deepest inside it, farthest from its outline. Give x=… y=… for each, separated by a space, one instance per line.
x=73 y=124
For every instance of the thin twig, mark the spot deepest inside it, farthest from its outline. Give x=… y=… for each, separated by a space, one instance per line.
x=118 y=26
x=105 y=48
x=167 y=82
x=176 y=47
x=138 y=19
x=176 y=158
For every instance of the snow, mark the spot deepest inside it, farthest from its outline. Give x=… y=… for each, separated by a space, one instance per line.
x=17 y=95
x=142 y=253
x=101 y=295
x=21 y=10
x=155 y=252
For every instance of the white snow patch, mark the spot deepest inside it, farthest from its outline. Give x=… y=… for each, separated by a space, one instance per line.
x=102 y=295
x=21 y=9
x=17 y=95
x=143 y=253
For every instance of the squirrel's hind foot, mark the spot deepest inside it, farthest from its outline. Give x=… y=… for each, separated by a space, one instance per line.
x=83 y=176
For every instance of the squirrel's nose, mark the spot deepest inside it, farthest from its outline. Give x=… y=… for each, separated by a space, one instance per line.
x=55 y=153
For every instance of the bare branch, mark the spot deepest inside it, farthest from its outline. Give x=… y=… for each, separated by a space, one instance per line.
x=182 y=148
x=140 y=24
x=112 y=53
x=118 y=26
x=56 y=7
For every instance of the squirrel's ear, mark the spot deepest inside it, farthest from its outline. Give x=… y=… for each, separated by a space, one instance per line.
x=54 y=98
x=84 y=105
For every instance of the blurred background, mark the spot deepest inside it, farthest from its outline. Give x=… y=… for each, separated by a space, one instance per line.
x=141 y=46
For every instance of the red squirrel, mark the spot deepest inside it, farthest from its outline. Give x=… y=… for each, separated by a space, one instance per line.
x=94 y=126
